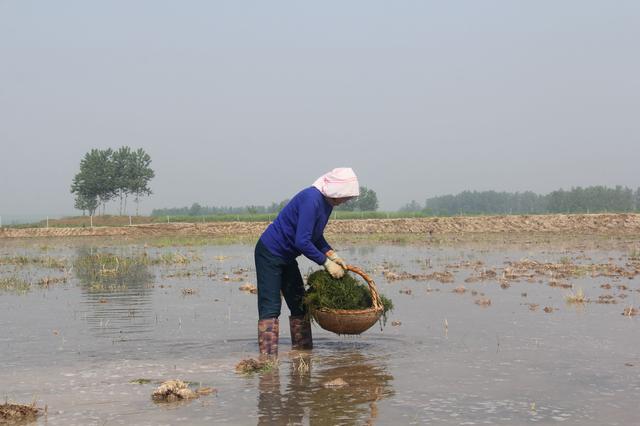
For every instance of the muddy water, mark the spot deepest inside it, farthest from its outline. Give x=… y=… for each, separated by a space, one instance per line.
x=177 y=312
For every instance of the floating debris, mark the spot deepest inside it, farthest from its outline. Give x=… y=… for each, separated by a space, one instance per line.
x=443 y=277
x=548 y=309
x=15 y=285
x=203 y=391
x=232 y=279
x=560 y=284
x=47 y=281
x=459 y=290
x=249 y=288
x=630 y=311
x=335 y=383
x=396 y=323
x=173 y=390
x=18 y=413
x=405 y=291
x=484 y=301
x=606 y=299
x=188 y=291
x=140 y=381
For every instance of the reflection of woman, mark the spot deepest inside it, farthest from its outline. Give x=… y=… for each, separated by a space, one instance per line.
x=297 y=230
x=306 y=400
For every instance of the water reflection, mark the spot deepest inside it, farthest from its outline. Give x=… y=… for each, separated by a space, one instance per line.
x=117 y=289
x=306 y=398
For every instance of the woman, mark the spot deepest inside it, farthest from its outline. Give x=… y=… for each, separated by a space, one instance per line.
x=298 y=230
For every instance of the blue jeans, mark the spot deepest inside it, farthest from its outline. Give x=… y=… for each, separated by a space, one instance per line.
x=276 y=275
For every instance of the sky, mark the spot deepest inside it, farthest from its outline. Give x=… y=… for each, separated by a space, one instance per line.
x=248 y=102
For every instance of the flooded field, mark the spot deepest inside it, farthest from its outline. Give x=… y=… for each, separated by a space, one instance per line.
x=483 y=332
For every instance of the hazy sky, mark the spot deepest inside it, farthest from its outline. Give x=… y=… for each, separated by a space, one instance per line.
x=248 y=102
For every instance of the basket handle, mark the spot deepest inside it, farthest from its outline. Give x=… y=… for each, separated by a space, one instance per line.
x=375 y=297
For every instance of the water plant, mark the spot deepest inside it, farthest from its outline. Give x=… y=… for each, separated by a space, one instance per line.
x=251 y=365
x=577 y=297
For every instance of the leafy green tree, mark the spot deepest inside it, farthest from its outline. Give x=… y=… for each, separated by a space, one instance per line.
x=121 y=160
x=86 y=204
x=95 y=179
x=105 y=174
x=366 y=201
x=139 y=174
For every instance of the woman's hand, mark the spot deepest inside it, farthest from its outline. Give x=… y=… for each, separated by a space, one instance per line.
x=333 y=268
x=337 y=259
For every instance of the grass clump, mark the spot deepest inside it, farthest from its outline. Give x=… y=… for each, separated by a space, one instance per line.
x=250 y=366
x=348 y=293
x=14 y=285
x=577 y=297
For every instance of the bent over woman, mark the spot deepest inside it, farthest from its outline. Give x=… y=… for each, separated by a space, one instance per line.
x=298 y=230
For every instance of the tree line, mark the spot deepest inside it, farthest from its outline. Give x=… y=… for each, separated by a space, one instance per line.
x=367 y=201
x=198 y=210
x=107 y=174
x=592 y=199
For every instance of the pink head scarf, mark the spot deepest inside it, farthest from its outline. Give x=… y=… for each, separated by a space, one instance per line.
x=338 y=183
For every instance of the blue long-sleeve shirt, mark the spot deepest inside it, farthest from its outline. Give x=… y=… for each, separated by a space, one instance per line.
x=299 y=226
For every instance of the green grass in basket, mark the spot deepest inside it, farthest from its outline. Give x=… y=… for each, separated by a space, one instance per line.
x=324 y=291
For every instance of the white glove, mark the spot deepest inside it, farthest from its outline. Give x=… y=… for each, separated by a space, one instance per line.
x=337 y=259
x=333 y=268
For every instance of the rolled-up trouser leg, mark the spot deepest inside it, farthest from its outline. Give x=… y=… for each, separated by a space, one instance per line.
x=268 y=331
x=300 y=332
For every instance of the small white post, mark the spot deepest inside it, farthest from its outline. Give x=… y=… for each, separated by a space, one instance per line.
x=47 y=221
x=91 y=221
x=130 y=220
x=167 y=219
x=0 y=221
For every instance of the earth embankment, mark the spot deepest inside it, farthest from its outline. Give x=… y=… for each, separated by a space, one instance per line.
x=620 y=224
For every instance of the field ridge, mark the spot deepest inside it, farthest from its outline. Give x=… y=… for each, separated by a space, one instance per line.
x=607 y=223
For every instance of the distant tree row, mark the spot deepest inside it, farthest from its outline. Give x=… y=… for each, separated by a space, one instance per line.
x=111 y=174
x=198 y=210
x=367 y=201
x=592 y=199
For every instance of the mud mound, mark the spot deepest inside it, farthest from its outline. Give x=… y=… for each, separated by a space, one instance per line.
x=173 y=390
x=18 y=413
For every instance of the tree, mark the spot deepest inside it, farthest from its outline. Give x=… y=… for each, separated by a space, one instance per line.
x=86 y=203
x=121 y=160
x=94 y=183
x=139 y=173
x=366 y=201
x=105 y=174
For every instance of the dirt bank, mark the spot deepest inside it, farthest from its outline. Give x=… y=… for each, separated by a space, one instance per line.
x=620 y=224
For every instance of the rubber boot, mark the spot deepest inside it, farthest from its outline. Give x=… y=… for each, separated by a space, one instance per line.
x=268 y=330
x=300 y=332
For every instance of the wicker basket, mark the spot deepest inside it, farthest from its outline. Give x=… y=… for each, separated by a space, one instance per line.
x=351 y=321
